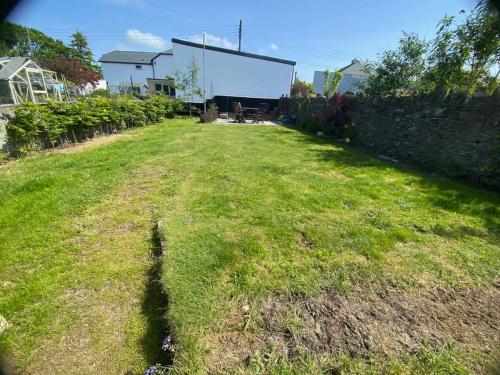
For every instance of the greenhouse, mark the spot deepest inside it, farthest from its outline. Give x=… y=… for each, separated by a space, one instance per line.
x=21 y=80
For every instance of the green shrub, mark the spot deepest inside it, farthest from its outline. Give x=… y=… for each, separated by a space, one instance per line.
x=349 y=131
x=101 y=93
x=208 y=116
x=38 y=126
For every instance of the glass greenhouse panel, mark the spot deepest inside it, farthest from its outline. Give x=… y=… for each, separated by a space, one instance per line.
x=36 y=79
x=5 y=94
x=21 y=91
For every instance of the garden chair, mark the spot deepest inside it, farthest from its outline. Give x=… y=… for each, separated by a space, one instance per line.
x=239 y=115
x=263 y=109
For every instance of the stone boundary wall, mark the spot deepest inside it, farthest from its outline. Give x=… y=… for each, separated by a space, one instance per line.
x=455 y=136
x=6 y=111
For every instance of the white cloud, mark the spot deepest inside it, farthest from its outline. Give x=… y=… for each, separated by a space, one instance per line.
x=214 y=40
x=121 y=47
x=146 y=39
x=272 y=46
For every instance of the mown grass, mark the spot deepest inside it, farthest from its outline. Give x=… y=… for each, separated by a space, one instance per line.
x=248 y=211
x=268 y=210
x=75 y=243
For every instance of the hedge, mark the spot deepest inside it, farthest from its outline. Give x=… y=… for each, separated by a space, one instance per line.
x=39 y=126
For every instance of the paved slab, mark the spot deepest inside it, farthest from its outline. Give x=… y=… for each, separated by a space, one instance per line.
x=248 y=122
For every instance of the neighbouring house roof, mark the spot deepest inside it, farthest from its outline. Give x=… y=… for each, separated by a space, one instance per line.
x=12 y=66
x=356 y=66
x=233 y=52
x=132 y=57
x=128 y=57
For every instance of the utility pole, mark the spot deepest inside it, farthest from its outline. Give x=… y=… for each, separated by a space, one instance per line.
x=239 y=36
x=204 y=92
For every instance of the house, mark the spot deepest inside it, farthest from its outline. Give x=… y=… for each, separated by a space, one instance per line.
x=22 y=80
x=225 y=75
x=354 y=74
x=126 y=69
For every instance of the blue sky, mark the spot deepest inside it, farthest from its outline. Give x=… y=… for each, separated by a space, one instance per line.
x=316 y=34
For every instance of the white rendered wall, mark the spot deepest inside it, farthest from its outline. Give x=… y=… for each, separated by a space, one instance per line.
x=234 y=75
x=163 y=67
x=318 y=82
x=351 y=82
x=119 y=74
x=353 y=76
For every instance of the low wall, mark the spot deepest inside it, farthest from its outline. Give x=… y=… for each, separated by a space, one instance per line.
x=6 y=111
x=457 y=136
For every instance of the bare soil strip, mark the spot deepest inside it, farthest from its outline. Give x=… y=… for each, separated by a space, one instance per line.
x=390 y=322
x=92 y=143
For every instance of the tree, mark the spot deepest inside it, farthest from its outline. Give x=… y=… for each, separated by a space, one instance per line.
x=82 y=52
x=302 y=88
x=73 y=70
x=14 y=41
x=331 y=83
x=74 y=62
x=463 y=57
x=187 y=83
x=399 y=69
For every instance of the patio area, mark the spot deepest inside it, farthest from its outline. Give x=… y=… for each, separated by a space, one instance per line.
x=230 y=121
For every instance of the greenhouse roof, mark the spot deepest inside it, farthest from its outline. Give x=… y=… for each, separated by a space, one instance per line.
x=12 y=66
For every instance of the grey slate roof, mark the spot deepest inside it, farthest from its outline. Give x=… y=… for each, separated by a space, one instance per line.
x=12 y=66
x=128 y=57
x=359 y=68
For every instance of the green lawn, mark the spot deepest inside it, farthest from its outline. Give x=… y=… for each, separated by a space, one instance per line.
x=250 y=214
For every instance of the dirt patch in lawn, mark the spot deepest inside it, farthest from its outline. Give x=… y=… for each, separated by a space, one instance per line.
x=94 y=142
x=339 y=176
x=390 y=322
x=303 y=241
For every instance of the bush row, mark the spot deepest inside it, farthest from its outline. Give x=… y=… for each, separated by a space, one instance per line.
x=331 y=116
x=38 y=126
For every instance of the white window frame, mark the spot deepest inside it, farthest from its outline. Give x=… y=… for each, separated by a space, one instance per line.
x=39 y=71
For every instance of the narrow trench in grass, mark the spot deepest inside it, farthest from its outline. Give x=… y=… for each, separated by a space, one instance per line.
x=154 y=305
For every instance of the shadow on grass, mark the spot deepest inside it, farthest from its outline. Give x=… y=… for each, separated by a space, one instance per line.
x=154 y=306
x=442 y=192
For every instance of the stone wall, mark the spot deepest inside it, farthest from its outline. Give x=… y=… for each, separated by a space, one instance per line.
x=6 y=111
x=455 y=136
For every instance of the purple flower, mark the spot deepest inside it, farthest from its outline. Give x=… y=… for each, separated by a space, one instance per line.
x=151 y=370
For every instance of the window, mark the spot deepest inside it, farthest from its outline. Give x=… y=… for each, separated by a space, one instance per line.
x=166 y=89
x=138 y=67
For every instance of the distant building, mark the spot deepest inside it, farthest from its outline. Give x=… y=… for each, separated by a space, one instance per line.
x=354 y=74
x=227 y=73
